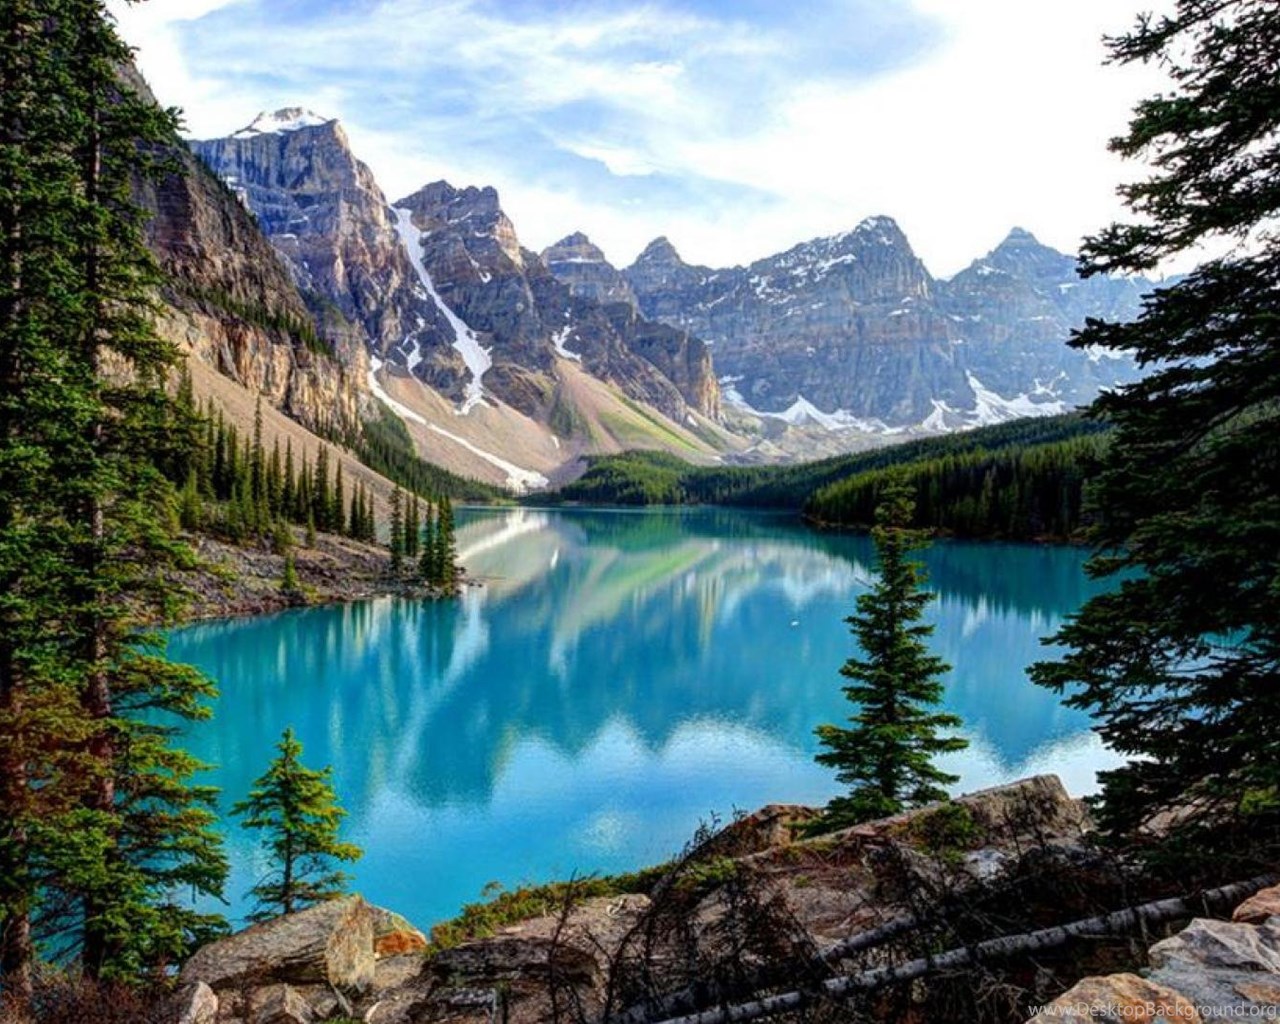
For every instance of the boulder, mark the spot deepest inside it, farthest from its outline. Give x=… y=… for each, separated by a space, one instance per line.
x=195 y=1004
x=393 y=935
x=328 y=944
x=1259 y=907
x=1120 y=997
x=528 y=960
x=281 y=1004
x=1220 y=945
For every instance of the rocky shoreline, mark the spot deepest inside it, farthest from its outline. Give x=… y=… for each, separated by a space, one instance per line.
x=234 y=581
x=757 y=907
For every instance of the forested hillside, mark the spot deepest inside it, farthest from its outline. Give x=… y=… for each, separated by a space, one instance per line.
x=1032 y=492
x=1015 y=480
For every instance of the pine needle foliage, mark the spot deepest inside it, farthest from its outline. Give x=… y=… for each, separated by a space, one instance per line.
x=886 y=753
x=1180 y=663
x=297 y=811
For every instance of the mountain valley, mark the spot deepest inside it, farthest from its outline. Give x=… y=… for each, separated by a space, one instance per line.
x=511 y=366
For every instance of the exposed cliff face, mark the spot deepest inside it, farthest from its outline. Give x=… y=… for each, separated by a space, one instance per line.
x=1017 y=306
x=523 y=317
x=232 y=303
x=582 y=266
x=438 y=286
x=852 y=330
x=324 y=213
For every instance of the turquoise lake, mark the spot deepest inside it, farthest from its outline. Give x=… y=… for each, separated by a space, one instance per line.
x=619 y=677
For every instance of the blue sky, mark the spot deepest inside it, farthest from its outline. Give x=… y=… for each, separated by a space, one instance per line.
x=734 y=128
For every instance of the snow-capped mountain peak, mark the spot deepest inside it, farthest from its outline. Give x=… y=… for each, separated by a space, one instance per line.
x=286 y=119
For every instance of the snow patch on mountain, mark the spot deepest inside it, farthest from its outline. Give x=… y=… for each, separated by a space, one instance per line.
x=990 y=407
x=558 y=339
x=802 y=412
x=474 y=355
x=519 y=479
x=289 y=119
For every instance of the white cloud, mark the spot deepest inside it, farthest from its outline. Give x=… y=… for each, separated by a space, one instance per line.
x=1002 y=122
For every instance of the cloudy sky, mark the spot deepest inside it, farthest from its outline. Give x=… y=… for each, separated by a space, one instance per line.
x=735 y=127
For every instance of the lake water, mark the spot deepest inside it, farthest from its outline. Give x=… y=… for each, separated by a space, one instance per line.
x=619 y=677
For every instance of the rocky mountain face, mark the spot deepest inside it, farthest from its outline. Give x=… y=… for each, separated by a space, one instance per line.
x=231 y=302
x=522 y=317
x=438 y=283
x=853 y=331
x=582 y=266
x=323 y=212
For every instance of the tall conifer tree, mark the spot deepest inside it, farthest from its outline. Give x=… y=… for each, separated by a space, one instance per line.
x=297 y=810
x=886 y=757
x=120 y=831
x=1180 y=663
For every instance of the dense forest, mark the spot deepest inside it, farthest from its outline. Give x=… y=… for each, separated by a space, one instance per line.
x=1015 y=480
x=1023 y=492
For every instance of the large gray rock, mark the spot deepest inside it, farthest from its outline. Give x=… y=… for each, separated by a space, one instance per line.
x=1211 y=970
x=328 y=944
x=195 y=1004
x=1224 y=945
x=281 y=1004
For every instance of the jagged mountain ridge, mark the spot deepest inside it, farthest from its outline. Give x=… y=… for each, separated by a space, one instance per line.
x=851 y=331
x=469 y=311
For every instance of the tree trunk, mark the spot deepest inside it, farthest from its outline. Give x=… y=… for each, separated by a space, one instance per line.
x=1119 y=922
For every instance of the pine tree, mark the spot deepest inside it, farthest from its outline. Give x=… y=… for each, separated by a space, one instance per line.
x=289 y=575
x=429 y=560
x=99 y=808
x=321 y=497
x=396 y=541
x=355 y=521
x=446 y=559
x=412 y=528
x=337 y=517
x=1179 y=663
x=296 y=809
x=887 y=756
x=190 y=507
x=288 y=484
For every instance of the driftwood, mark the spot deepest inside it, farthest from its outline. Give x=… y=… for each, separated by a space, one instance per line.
x=688 y=999
x=1118 y=922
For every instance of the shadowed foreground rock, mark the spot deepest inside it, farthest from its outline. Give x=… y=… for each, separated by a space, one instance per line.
x=1211 y=970
x=349 y=960
x=638 y=957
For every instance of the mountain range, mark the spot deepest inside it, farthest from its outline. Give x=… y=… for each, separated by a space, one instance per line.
x=296 y=277
x=851 y=331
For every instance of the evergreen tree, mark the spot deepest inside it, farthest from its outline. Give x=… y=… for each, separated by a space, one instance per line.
x=1179 y=663
x=297 y=810
x=190 y=507
x=337 y=510
x=887 y=756
x=258 y=456
x=321 y=497
x=86 y=506
x=288 y=483
x=429 y=560
x=446 y=559
x=355 y=521
x=412 y=528
x=396 y=540
x=289 y=576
